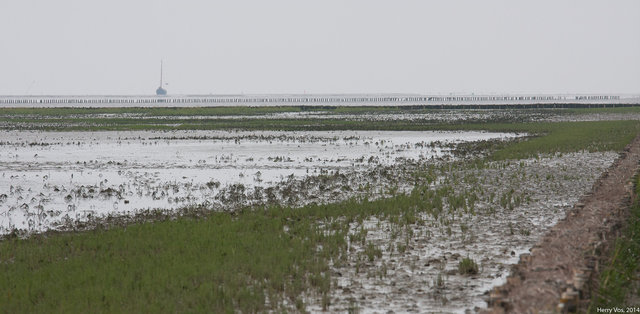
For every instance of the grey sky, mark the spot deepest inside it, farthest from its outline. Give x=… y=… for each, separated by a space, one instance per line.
x=322 y=46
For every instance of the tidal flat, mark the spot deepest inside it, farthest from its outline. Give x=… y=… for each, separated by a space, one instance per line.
x=370 y=214
x=61 y=178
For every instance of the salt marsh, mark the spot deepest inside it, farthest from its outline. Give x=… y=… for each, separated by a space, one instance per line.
x=52 y=178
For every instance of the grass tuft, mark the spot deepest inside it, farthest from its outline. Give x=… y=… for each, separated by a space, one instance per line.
x=467 y=266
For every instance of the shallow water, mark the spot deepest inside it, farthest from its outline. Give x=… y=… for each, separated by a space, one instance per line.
x=52 y=177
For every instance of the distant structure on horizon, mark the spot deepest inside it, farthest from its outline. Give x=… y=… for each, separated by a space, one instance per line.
x=161 y=91
x=416 y=100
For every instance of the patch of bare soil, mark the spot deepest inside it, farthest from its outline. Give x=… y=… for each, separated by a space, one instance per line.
x=561 y=271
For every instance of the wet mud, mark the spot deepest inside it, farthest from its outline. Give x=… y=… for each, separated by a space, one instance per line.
x=562 y=270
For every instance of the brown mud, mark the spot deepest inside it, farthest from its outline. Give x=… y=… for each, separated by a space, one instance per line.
x=561 y=273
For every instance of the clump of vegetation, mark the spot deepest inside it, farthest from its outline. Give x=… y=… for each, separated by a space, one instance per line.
x=439 y=282
x=467 y=266
x=372 y=252
x=212 y=184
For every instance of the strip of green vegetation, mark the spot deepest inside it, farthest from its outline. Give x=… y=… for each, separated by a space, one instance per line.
x=566 y=137
x=619 y=276
x=253 y=260
x=554 y=137
x=208 y=111
x=633 y=109
x=260 y=110
x=217 y=118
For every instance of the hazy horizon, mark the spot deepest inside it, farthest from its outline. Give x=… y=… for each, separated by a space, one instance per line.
x=74 y=47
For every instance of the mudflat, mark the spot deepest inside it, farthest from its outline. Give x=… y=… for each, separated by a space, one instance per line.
x=564 y=266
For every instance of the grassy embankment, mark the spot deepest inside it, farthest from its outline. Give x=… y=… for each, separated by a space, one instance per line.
x=619 y=280
x=250 y=260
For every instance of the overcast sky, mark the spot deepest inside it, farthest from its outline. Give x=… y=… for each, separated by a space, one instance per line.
x=322 y=46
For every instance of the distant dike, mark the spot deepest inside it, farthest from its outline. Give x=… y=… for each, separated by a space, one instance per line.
x=329 y=100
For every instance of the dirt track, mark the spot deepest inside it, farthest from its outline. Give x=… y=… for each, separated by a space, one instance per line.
x=563 y=266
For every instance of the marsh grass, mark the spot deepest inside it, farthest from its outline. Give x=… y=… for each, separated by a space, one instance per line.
x=220 y=263
x=545 y=137
x=256 y=259
x=372 y=252
x=618 y=277
x=632 y=109
x=553 y=138
x=467 y=266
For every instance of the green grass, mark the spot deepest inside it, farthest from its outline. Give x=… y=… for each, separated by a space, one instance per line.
x=553 y=137
x=567 y=137
x=467 y=266
x=218 y=264
x=250 y=260
x=618 y=277
x=634 y=109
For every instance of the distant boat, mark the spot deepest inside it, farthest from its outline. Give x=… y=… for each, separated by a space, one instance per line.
x=161 y=91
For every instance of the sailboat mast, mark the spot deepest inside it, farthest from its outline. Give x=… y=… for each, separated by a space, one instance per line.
x=161 y=91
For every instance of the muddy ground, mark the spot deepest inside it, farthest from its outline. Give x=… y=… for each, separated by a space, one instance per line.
x=562 y=270
x=418 y=267
x=516 y=206
x=49 y=179
x=514 y=203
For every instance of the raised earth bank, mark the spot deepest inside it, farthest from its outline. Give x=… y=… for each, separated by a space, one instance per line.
x=562 y=271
